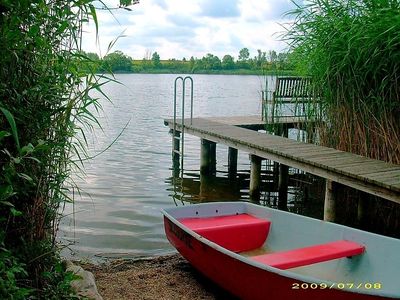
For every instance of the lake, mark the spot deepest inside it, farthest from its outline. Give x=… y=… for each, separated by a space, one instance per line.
x=118 y=211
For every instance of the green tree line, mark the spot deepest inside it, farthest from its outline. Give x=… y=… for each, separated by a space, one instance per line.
x=118 y=61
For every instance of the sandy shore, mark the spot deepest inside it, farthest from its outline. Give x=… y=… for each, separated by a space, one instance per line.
x=161 y=278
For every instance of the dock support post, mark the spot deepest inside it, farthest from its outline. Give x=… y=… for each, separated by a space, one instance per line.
x=275 y=174
x=255 y=177
x=213 y=158
x=176 y=139
x=329 y=205
x=207 y=157
x=283 y=187
x=232 y=162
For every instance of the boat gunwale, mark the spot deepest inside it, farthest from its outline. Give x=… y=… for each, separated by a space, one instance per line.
x=285 y=273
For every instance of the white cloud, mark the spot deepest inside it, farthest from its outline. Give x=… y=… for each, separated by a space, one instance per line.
x=177 y=28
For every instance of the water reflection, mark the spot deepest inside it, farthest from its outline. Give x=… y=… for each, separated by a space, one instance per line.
x=305 y=192
x=124 y=189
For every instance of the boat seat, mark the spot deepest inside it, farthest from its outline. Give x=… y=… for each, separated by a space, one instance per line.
x=237 y=233
x=310 y=255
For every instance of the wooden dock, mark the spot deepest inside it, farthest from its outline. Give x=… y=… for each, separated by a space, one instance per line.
x=372 y=176
x=255 y=122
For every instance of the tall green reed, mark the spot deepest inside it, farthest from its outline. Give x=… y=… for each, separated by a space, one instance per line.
x=46 y=107
x=351 y=48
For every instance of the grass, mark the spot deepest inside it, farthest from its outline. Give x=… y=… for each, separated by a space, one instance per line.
x=350 y=48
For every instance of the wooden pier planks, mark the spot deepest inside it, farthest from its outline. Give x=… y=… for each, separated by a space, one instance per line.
x=368 y=175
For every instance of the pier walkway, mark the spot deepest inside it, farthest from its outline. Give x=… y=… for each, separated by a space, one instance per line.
x=372 y=176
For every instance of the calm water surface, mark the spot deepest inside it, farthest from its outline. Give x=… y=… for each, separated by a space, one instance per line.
x=118 y=212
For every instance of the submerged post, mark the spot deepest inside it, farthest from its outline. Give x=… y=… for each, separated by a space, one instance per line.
x=205 y=157
x=255 y=177
x=283 y=186
x=329 y=205
x=232 y=162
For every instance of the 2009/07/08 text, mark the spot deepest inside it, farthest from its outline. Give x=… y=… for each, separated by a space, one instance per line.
x=337 y=285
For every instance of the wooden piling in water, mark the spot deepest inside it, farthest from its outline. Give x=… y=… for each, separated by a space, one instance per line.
x=232 y=162
x=283 y=175
x=329 y=205
x=283 y=186
x=205 y=157
x=255 y=177
x=213 y=158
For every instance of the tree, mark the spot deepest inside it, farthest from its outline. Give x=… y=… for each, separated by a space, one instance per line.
x=155 y=58
x=117 y=62
x=228 y=62
x=211 y=62
x=244 y=55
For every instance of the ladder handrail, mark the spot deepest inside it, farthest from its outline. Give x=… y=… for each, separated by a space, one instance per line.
x=182 y=138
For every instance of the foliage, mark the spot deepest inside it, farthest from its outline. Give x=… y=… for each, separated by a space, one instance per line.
x=228 y=62
x=210 y=63
x=244 y=54
x=155 y=58
x=351 y=50
x=10 y=270
x=45 y=102
x=117 y=62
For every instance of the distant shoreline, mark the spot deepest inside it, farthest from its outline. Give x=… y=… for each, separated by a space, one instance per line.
x=213 y=72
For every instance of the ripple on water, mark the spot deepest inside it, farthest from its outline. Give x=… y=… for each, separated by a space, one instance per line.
x=127 y=186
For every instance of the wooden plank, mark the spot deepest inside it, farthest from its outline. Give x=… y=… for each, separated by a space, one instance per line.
x=366 y=166
x=388 y=178
x=318 y=153
x=338 y=159
x=393 y=171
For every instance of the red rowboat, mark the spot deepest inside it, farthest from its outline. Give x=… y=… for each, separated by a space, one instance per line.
x=256 y=252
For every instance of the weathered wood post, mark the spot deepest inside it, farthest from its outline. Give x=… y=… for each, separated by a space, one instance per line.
x=283 y=187
x=275 y=174
x=213 y=158
x=330 y=205
x=283 y=181
x=255 y=177
x=205 y=187
x=205 y=157
x=232 y=162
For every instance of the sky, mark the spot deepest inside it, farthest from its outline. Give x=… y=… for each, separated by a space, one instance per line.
x=185 y=28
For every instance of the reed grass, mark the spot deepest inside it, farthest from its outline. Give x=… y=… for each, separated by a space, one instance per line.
x=46 y=102
x=351 y=48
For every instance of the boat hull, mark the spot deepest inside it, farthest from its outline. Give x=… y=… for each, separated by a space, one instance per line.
x=244 y=280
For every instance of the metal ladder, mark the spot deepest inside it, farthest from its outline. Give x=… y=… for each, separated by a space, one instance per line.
x=181 y=138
